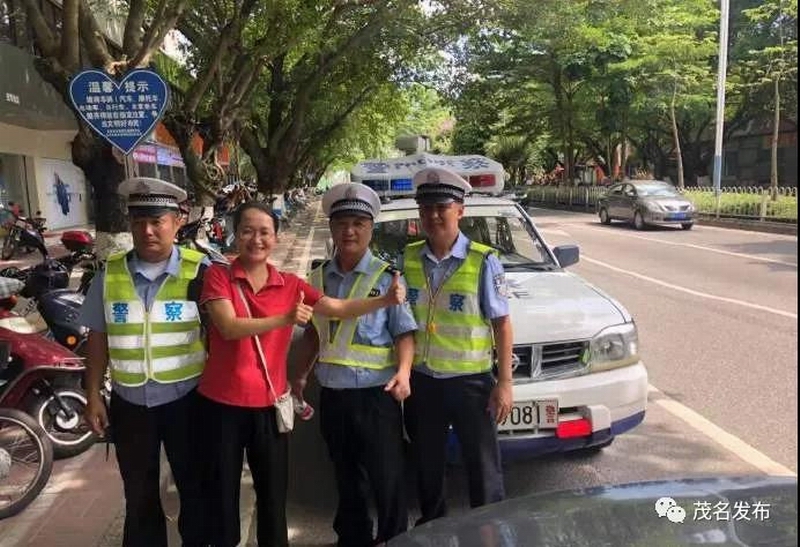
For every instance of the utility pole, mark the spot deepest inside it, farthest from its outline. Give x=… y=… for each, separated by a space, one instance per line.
x=721 y=70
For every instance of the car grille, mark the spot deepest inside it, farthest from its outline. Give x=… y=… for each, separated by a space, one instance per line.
x=542 y=361
x=676 y=207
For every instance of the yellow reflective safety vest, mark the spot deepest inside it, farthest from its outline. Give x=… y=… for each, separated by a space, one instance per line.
x=343 y=349
x=163 y=344
x=453 y=336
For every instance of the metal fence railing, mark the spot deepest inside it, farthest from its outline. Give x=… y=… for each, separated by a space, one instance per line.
x=750 y=203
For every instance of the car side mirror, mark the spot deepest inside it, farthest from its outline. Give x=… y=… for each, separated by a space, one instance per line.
x=567 y=255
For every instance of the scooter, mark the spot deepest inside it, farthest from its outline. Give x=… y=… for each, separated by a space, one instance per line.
x=42 y=378
x=23 y=233
x=46 y=288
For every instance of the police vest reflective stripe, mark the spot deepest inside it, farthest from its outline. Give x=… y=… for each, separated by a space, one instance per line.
x=453 y=336
x=163 y=344
x=343 y=349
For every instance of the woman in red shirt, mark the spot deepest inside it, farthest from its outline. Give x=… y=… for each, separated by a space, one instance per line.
x=237 y=401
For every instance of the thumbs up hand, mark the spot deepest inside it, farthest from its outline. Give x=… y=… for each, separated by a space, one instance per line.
x=397 y=292
x=301 y=314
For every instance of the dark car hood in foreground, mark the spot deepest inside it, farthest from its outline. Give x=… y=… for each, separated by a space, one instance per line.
x=624 y=515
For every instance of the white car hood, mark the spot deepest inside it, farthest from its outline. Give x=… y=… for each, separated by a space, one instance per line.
x=549 y=307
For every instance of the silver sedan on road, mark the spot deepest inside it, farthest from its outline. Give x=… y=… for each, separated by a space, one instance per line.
x=644 y=202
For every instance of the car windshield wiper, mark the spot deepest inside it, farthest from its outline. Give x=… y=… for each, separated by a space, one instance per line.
x=538 y=266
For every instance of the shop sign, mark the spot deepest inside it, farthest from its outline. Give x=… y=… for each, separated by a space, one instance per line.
x=123 y=112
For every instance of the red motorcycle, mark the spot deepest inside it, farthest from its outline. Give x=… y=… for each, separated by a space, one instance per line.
x=42 y=378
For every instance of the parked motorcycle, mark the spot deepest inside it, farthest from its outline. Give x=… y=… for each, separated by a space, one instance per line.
x=46 y=288
x=26 y=460
x=42 y=378
x=190 y=236
x=22 y=232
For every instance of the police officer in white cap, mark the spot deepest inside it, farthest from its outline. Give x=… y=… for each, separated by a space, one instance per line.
x=145 y=326
x=457 y=291
x=363 y=367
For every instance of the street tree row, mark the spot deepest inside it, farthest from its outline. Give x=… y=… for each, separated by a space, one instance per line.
x=582 y=80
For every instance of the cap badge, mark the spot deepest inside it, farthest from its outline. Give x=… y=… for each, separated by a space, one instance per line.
x=432 y=177
x=350 y=193
x=142 y=188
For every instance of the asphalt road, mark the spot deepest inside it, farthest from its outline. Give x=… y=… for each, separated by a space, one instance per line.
x=717 y=317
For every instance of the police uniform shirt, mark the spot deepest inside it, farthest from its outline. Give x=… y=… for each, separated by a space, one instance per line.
x=492 y=289
x=378 y=328
x=92 y=316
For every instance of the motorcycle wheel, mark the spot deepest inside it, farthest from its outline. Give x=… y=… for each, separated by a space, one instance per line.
x=26 y=461
x=70 y=435
x=10 y=244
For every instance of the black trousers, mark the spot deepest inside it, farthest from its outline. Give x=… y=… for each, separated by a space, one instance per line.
x=138 y=434
x=363 y=429
x=462 y=402
x=230 y=431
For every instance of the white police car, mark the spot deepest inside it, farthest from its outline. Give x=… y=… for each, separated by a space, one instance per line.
x=578 y=377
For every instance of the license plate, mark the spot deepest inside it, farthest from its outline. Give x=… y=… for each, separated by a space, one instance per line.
x=677 y=216
x=528 y=415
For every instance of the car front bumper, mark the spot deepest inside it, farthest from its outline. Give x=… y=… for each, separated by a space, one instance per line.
x=652 y=217
x=613 y=402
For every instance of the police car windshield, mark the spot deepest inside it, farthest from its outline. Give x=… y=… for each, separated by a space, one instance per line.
x=517 y=244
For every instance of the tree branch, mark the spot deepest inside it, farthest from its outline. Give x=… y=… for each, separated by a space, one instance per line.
x=134 y=28
x=70 y=35
x=43 y=35
x=93 y=38
x=164 y=20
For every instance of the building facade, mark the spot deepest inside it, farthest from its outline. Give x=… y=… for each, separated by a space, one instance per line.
x=37 y=129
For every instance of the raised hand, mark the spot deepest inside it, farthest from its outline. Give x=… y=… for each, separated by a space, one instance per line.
x=397 y=291
x=301 y=314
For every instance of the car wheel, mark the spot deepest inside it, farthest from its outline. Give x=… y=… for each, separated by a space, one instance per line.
x=687 y=225
x=638 y=221
x=604 y=218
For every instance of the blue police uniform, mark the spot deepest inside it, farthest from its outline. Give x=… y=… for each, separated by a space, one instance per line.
x=440 y=400
x=146 y=417
x=362 y=423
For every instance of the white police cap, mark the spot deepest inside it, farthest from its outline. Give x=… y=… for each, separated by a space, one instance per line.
x=351 y=198
x=439 y=185
x=151 y=197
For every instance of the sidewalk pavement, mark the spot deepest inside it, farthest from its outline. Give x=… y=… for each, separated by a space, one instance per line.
x=83 y=504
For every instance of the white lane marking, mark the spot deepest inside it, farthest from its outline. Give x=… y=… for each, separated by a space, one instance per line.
x=727 y=440
x=693 y=246
x=554 y=231
x=691 y=291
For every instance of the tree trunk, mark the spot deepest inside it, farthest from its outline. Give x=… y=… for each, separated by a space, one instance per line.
x=105 y=169
x=773 y=172
x=204 y=178
x=676 y=137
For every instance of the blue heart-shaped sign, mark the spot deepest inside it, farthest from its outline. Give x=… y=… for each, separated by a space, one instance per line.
x=122 y=113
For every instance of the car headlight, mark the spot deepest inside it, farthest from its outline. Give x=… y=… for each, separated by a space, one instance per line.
x=613 y=347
